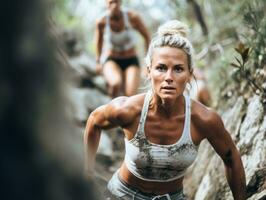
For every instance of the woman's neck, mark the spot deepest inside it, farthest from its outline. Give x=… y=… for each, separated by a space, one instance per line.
x=117 y=15
x=168 y=108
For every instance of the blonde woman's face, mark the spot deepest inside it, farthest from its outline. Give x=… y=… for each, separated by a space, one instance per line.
x=169 y=72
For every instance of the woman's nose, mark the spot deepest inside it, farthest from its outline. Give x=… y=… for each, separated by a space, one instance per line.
x=169 y=76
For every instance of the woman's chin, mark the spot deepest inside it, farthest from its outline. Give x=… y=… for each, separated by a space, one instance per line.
x=168 y=96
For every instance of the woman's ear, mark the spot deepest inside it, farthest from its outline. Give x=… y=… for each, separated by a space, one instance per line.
x=148 y=72
x=191 y=71
x=148 y=69
x=191 y=75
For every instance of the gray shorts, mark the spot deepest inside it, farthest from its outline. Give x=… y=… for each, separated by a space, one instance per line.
x=118 y=189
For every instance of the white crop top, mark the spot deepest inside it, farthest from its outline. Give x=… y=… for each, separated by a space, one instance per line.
x=119 y=41
x=155 y=162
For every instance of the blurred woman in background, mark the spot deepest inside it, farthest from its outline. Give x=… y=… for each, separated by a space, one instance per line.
x=116 y=55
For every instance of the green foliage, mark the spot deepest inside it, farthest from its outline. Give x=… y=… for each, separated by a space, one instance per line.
x=61 y=13
x=228 y=22
x=242 y=70
x=250 y=66
x=244 y=53
x=254 y=18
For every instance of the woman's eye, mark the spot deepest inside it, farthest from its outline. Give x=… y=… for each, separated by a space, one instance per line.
x=160 y=68
x=178 y=69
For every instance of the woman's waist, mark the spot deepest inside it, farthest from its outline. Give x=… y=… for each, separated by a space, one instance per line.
x=121 y=54
x=149 y=186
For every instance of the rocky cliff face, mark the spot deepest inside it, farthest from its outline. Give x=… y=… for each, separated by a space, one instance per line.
x=246 y=122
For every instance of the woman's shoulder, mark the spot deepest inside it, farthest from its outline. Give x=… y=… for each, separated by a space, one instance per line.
x=125 y=108
x=205 y=118
x=101 y=19
x=124 y=102
x=132 y=14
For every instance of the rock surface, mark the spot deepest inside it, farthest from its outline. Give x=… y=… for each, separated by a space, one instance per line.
x=246 y=123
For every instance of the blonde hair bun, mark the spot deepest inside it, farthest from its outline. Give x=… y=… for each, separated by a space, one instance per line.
x=173 y=27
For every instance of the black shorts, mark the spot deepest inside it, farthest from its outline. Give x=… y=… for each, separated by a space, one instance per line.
x=124 y=63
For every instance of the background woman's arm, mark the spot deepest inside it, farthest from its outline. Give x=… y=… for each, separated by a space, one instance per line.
x=98 y=44
x=138 y=24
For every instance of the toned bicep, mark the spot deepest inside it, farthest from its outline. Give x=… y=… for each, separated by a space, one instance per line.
x=99 y=28
x=139 y=25
x=101 y=118
x=220 y=139
x=222 y=144
x=98 y=37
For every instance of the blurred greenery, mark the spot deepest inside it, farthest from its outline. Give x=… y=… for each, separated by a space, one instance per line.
x=61 y=13
x=228 y=22
x=251 y=64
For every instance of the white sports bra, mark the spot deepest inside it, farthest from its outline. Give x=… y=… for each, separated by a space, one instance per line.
x=119 y=41
x=155 y=162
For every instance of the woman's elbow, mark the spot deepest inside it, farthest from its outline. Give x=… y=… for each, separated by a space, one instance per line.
x=232 y=157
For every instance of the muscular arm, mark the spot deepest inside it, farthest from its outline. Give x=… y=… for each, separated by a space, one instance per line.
x=99 y=39
x=114 y=114
x=96 y=122
x=223 y=144
x=210 y=126
x=138 y=24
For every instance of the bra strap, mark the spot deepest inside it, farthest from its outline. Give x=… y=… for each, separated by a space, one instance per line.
x=107 y=23
x=126 y=20
x=144 y=112
x=187 y=117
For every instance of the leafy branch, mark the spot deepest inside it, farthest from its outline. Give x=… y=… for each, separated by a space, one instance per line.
x=241 y=66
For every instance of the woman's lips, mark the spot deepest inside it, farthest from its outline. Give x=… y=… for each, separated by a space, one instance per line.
x=168 y=88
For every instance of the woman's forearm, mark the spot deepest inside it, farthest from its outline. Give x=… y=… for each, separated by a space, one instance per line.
x=235 y=175
x=98 y=51
x=91 y=143
x=98 y=42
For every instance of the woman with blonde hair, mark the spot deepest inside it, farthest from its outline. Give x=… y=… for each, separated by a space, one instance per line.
x=163 y=127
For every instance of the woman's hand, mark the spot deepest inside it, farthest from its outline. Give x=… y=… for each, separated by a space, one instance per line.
x=99 y=68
